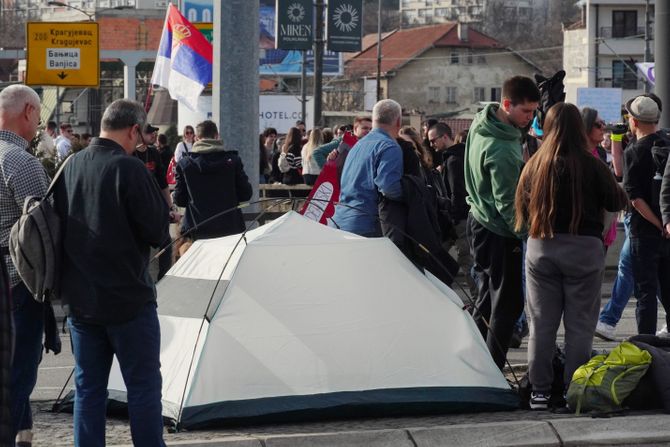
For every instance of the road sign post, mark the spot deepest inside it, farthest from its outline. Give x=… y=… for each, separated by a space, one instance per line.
x=63 y=54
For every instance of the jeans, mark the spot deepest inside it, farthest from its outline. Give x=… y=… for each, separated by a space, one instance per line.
x=651 y=264
x=136 y=345
x=624 y=283
x=28 y=317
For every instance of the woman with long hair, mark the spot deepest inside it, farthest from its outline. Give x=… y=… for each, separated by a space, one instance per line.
x=408 y=133
x=561 y=200
x=311 y=169
x=290 y=159
x=185 y=145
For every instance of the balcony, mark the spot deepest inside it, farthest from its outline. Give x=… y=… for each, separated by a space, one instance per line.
x=609 y=32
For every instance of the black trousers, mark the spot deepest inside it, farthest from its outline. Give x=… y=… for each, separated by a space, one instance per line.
x=498 y=264
x=651 y=270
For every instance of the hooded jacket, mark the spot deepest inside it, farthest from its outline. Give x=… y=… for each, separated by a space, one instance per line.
x=211 y=180
x=493 y=162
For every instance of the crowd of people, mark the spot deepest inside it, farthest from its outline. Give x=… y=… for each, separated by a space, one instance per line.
x=530 y=206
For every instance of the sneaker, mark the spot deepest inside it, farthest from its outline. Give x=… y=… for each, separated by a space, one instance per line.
x=605 y=331
x=663 y=332
x=539 y=401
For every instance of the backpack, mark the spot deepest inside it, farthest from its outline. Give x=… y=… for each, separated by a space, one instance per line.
x=35 y=244
x=605 y=381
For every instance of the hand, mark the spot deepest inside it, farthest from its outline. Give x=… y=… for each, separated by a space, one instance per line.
x=666 y=231
x=175 y=217
x=333 y=155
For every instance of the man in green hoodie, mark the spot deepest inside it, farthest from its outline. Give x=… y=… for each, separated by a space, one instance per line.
x=493 y=162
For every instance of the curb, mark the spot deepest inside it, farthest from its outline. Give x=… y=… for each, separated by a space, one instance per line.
x=577 y=432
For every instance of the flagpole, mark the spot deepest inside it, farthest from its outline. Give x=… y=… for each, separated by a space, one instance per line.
x=303 y=87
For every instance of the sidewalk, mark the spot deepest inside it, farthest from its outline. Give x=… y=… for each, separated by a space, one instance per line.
x=514 y=428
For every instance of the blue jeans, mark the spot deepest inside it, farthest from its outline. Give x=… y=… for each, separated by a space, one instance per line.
x=651 y=264
x=28 y=317
x=624 y=282
x=136 y=344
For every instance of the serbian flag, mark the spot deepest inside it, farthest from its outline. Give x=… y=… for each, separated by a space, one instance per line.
x=320 y=205
x=184 y=60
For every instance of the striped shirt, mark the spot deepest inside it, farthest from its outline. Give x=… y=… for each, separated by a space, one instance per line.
x=21 y=176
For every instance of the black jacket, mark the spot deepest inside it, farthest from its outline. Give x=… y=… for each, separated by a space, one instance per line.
x=665 y=195
x=112 y=212
x=638 y=181
x=453 y=171
x=211 y=180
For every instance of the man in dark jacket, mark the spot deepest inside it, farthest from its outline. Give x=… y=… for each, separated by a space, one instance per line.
x=650 y=249
x=453 y=172
x=209 y=181
x=112 y=212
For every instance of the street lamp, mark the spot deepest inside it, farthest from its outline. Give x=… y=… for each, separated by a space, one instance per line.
x=90 y=15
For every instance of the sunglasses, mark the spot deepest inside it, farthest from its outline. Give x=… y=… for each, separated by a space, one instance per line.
x=188 y=133
x=599 y=124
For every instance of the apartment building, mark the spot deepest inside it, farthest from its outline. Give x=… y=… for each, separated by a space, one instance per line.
x=425 y=12
x=601 y=50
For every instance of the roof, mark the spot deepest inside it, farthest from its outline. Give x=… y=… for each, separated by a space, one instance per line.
x=402 y=46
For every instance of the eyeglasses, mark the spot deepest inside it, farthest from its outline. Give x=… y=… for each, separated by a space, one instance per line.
x=599 y=124
x=188 y=132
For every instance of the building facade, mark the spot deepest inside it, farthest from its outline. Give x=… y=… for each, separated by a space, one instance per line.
x=480 y=12
x=441 y=71
x=601 y=50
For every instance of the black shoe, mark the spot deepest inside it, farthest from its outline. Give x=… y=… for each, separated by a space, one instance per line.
x=539 y=401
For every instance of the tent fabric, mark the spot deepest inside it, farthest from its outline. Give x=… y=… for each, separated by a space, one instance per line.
x=298 y=318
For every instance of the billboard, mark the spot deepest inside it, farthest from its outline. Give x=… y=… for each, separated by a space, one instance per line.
x=273 y=62
x=278 y=111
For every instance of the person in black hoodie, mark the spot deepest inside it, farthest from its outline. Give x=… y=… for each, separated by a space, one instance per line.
x=453 y=172
x=209 y=181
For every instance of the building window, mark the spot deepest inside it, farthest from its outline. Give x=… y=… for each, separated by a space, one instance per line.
x=406 y=3
x=433 y=94
x=624 y=75
x=471 y=58
x=451 y=95
x=624 y=23
x=425 y=12
x=442 y=12
x=455 y=58
x=495 y=94
x=479 y=94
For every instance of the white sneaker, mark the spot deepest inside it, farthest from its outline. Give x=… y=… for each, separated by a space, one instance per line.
x=606 y=331
x=663 y=332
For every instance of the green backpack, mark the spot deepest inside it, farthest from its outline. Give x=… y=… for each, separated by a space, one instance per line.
x=605 y=381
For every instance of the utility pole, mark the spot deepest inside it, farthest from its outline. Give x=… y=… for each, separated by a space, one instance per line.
x=379 y=50
x=303 y=86
x=235 y=80
x=647 y=41
x=662 y=62
x=318 y=63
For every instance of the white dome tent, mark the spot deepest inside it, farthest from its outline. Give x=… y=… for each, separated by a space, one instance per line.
x=306 y=320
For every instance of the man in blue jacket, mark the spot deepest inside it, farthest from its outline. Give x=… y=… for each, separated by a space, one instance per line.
x=112 y=212
x=374 y=166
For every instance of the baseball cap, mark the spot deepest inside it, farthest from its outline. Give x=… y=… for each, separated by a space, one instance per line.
x=643 y=108
x=148 y=128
